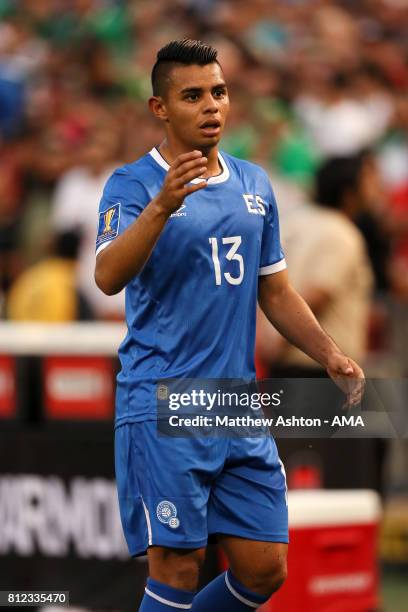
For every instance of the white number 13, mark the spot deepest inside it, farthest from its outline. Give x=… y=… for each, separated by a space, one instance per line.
x=232 y=255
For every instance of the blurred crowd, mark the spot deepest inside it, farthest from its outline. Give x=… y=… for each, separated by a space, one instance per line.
x=319 y=90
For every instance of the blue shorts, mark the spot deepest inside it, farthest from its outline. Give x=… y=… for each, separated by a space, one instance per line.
x=176 y=492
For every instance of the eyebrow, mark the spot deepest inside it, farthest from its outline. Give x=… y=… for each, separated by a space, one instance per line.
x=220 y=85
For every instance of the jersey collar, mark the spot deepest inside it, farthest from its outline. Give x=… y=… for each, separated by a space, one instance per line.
x=219 y=178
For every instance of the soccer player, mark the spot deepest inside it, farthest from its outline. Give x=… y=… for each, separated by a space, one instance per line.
x=193 y=235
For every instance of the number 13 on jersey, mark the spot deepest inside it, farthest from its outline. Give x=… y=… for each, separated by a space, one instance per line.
x=232 y=255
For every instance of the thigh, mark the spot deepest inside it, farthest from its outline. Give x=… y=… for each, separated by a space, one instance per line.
x=249 y=497
x=163 y=487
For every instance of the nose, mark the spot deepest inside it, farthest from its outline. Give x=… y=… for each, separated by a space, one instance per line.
x=210 y=104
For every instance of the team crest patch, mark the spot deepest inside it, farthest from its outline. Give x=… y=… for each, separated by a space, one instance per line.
x=108 y=227
x=162 y=392
x=166 y=512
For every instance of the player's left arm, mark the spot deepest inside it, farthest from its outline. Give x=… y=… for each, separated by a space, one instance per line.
x=293 y=318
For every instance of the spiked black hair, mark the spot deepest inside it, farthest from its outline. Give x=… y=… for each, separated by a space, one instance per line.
x=186 y=52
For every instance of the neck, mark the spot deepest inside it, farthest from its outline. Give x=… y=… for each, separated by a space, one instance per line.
x=170 y=150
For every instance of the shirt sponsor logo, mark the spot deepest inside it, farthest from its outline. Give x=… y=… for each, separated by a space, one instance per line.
x=179 y=213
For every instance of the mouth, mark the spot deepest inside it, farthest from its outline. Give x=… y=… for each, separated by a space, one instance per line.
x=211 y=127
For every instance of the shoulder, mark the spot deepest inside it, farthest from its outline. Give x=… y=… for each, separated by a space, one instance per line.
x=140 y=167
x=245 y=167
x=252 y=179
x=341 y=229
x=131 y=177
x=339 y=222
x=134 y=170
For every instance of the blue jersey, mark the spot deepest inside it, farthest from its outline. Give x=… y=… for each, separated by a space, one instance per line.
x=191 y=312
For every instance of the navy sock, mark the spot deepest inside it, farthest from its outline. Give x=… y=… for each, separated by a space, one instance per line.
x=226 y=593
x=160 y=597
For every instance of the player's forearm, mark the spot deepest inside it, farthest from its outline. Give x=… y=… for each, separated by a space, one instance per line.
x=293 y=318
x=126 y=256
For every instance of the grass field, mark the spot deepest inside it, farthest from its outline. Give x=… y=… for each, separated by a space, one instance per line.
x=395 y=590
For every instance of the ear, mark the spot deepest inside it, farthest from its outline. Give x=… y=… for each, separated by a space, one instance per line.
x=158 y=107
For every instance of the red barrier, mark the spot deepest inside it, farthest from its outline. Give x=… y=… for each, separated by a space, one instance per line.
x=330 y=569
x=332 y=561
x=78 y=387
x=8 y=403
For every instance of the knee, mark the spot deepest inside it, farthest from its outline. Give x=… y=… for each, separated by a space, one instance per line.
x=276 y=579
x=179 y=569
x=267 y=578
x=184 y=574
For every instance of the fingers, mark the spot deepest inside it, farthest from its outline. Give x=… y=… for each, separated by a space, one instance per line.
x=177 y=185
x=345 y=367
x=190 y=176
x=184 y=157
x=356 y=370
x=352 y=383
x=185 y=167
x=195 y=187
x=355 y=394
x=188 y=171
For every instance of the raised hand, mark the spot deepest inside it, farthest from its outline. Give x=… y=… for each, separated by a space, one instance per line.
x=177 y=185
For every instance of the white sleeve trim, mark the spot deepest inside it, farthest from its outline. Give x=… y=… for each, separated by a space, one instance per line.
x=276 y=267
x=102 y=246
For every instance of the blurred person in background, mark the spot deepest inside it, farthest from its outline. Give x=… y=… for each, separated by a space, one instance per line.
x=75 y=205
x=48 y=291
x=393 y=161
x=21 y=56
x=11 y=197
x=329 y=265
x=337 y=268
x=346 y=118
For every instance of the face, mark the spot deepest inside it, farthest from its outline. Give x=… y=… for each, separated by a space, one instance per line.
x=195 y=106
